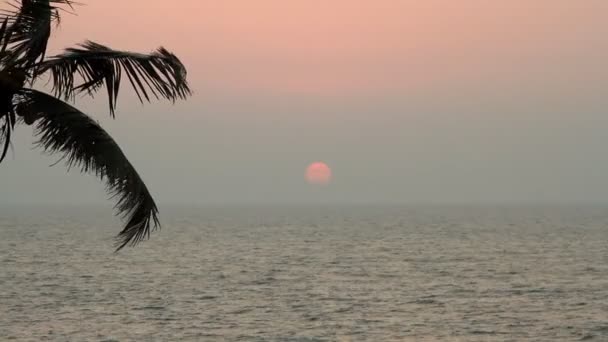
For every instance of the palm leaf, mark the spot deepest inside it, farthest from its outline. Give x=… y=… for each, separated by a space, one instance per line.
x=4 y=40
x=84 y=144
x=7 y=125
x=159 y=74
x=30 y=27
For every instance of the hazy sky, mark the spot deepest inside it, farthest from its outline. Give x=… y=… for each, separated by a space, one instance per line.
x=407 y=101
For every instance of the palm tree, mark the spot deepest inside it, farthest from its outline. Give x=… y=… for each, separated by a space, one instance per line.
x=25 y=29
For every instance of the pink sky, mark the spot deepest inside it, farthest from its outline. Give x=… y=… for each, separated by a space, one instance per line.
x=405 y=100
x=347 y=47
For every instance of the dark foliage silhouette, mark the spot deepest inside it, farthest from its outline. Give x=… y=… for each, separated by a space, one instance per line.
x=25 y=28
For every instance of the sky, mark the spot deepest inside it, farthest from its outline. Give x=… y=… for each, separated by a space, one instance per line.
x=436 y=101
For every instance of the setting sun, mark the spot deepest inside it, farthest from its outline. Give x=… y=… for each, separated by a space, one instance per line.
x=318 y=173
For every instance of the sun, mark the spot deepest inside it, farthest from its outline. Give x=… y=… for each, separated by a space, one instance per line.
x=318 y=173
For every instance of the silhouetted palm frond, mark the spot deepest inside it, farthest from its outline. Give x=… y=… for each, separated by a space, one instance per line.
x=30 y=28
x=159 y=74
x=4 y=40
x=7 y=125
x=84 y=144
x=25 y=28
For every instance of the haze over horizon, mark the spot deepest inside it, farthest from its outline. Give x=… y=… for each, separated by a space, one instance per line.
x=408 y=102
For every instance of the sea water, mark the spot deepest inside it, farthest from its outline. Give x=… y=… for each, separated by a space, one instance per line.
x=308 y=273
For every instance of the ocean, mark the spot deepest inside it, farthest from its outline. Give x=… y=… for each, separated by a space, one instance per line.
x=309 y=273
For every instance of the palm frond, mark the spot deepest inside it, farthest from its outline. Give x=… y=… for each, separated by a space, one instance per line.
x=7 y=125
x=159 y=74
x=84 y=144
x=4 y=40
x=30 y=27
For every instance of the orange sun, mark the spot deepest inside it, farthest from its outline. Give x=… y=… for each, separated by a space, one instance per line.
x=318 y=173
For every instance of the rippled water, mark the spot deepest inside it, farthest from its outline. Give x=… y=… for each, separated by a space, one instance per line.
x=308 y=274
